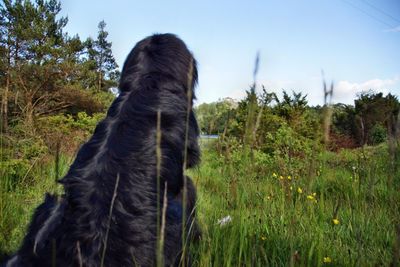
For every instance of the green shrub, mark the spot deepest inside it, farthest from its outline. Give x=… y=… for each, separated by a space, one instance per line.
x=67 y=131
x=86 y=122
x=378 y=134
x=13 y=171
x=287 y=143
x=65 y=124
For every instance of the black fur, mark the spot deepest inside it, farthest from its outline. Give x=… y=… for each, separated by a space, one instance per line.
x=158 y=75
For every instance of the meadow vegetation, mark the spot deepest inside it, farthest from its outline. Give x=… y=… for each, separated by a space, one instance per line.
x=294 y=192
x=285 y=183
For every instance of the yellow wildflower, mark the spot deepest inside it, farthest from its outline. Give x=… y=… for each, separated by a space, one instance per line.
x=335 y=221
x=281 y=177
x=274 y=175
x=299 y=190
x=289 y=177
x=312 y=198
x=263 y=238
x=291 y=188
x=327 y=260
x=314 y=194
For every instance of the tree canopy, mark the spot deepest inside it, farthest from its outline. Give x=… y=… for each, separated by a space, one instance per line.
x=260 y=117
x=43 y=70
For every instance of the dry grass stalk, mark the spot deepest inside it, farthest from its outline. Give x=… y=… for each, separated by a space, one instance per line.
x=160 y=258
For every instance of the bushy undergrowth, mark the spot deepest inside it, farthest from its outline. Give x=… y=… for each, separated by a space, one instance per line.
x=17 y=202
x=21 y=151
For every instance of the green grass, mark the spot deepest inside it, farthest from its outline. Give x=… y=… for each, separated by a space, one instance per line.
x=19 y=198
x=273 y=222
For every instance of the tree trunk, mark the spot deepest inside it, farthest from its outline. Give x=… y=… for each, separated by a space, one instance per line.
x=100 y=80
x=4 y=104
x=29 y=110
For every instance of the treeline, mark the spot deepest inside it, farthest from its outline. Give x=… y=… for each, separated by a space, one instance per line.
x=262 y=119
x=45 y=71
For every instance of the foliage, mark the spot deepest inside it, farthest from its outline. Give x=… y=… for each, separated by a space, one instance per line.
x=44 y=71
x=55 y=134
x=66 y=132
x=17 y=157
x=257 y=116
x=287 y=143
x=291 y=107
x=344 y=130
x=372 y=109
x=378 y=134
x=271 y=222
x=280 y=218
x=213 y=117
x=103 y=62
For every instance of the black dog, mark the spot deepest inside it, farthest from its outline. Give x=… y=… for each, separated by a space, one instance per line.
x=116 y=172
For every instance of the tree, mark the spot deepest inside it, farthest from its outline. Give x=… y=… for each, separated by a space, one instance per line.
x=213 y=117
x=374 y=109
x=100 y=53
x=290 y=107
x=343 y=131
x=10 y=33
x=40 y=69
x=38 y=46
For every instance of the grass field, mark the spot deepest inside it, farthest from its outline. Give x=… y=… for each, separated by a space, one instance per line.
x=254 y=212
x=344 y=216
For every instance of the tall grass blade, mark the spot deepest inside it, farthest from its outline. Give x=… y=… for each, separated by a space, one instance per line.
x=114 y=196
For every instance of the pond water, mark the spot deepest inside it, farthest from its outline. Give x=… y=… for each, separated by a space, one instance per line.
x=209 y=136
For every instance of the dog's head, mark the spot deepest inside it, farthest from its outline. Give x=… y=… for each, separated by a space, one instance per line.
x=164 y=54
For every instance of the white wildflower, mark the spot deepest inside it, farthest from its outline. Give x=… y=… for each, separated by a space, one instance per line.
x=224 y=220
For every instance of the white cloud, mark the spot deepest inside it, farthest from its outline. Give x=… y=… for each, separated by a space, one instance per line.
x=346 y=91
x=395 y=29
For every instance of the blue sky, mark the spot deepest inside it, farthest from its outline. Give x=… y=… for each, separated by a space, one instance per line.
x=355 y=42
